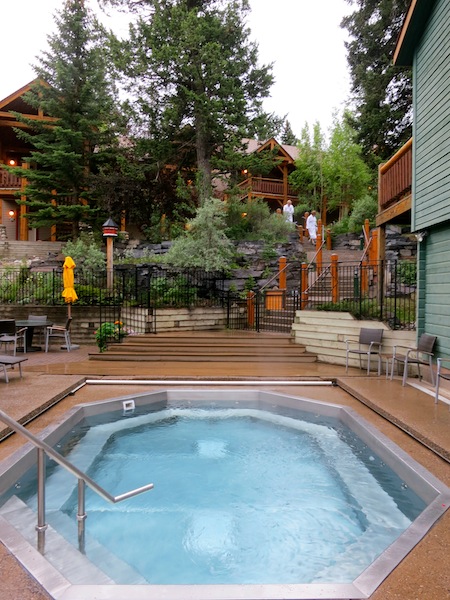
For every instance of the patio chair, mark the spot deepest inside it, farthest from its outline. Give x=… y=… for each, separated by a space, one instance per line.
x=441 y=362
x=369 y=345
x=58 y=331
x=422 y=355
x=9 y=334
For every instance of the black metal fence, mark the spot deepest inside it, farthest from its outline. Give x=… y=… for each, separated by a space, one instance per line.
x=270 y=310
x=381 y=291
x=150 y=286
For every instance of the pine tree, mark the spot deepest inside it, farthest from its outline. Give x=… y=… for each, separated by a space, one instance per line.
x=194 y=77
x=75 y=90
x=382 y=93
x=287 y=135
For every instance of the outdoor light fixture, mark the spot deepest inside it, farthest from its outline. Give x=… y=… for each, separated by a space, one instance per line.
x=12 y=162
x=421 y=235
x=110 y=228
x=12 y=215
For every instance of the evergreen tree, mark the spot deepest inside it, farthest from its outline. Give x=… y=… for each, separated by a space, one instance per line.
x=193 y=73
x=72 y=147
x=382 y=93
x=287 y=135
x=205 y=243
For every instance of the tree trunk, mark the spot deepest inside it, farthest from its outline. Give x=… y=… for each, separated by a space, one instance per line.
x=203 y=160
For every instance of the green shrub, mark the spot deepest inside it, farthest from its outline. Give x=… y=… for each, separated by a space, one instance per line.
x=407 y=272
x=86 y=253
x=364 y=208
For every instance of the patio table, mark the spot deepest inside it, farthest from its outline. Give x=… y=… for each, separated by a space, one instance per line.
x=31 y=325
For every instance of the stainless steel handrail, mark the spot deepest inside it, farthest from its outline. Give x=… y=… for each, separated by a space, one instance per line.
x=317 y=252
x=322 y=274
x=83 y=479
x=287 y=265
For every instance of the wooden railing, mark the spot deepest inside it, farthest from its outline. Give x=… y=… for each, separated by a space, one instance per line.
x=272 y=187
x=8 y=180
x=395 y=177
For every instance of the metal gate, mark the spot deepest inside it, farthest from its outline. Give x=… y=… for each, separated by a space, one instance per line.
x=270 y=310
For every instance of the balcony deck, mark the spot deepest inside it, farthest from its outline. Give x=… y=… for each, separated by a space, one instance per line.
x=394 y=186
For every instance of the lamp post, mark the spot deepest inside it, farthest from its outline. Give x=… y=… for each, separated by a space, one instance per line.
x=110 y=230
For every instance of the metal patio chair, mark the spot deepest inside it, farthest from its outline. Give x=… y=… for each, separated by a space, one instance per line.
x=9 y=334
x=441 y=362
x=369 y=345
x=58 y=331
x=422 y=355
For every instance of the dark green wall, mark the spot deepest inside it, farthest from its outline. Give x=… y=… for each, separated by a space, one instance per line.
x=434 y=295
x=431 y=75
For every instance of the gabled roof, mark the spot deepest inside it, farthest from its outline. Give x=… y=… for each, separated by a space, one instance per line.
x=290 y=153
x=412 y=30
x=15 y=102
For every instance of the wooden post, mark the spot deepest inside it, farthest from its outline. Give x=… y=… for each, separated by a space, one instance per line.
x=364 y=277
x=329 y=240
x=53 y=227
x=319 y=257
x=374 y=251
x=109 y=263
x=250 y=308
x=23 y=222
x=282 y=273
x=110 y=230
x=334 y=279
x=304 y=286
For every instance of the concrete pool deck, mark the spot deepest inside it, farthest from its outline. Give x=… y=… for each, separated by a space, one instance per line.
x=404 y=414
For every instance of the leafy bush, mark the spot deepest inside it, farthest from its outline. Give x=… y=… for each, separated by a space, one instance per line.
x=253 y=220
x=407 y=272
x=166 y=291
x=364 y=208
x=205 y=243
x=341 y=226
x=86 y=253
x=108 y=332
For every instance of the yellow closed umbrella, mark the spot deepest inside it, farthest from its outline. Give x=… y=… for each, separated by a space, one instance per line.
x=69 y=294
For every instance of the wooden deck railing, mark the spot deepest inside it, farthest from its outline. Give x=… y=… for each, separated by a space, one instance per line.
x=271 y=187
x=8 y=180
x=395 y=177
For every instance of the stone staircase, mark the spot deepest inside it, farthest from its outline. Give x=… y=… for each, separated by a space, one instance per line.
x=207 y=347
x=320 y=288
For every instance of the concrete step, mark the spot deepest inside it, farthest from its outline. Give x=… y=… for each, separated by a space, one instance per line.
x=305 y=357
x=249 y=347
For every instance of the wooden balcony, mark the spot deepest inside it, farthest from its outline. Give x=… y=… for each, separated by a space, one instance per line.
x=394 y=185
x=8 y=181
x=268 y=188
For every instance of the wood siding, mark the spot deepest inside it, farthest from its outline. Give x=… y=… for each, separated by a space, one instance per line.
x=431 y=181
x=434 y=272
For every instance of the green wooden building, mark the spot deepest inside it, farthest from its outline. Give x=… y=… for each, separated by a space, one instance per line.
x=424 y=44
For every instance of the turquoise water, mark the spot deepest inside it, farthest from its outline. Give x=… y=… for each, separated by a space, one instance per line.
x=241 y=496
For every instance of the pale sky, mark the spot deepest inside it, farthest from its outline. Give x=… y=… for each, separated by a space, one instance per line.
x=302 y=38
